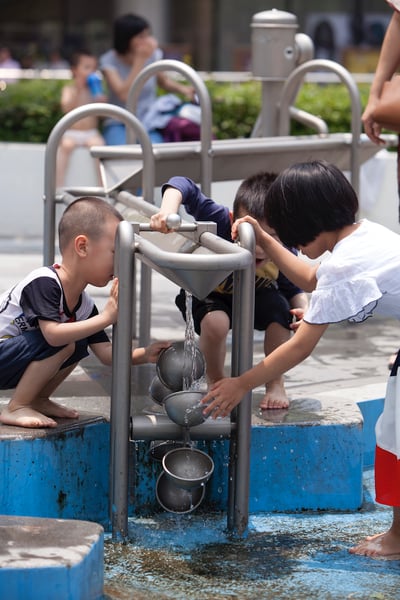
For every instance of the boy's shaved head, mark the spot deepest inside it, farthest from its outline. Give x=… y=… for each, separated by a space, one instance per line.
x=85 y=216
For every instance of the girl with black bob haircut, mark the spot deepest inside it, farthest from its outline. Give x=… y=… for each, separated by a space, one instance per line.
x=312 y=206
x=309 y=198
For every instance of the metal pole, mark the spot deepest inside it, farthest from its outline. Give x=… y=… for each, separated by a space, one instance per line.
x=98 y=109
x=121 y=384
x=205 y=105
x=289 y=92
x=242 y=360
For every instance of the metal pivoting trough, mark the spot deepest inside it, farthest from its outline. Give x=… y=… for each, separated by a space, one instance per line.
x=197 y=259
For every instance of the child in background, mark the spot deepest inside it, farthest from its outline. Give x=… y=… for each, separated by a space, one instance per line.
x=313 y=207
x=47 y=321
x=78 y=93
x=274 y=294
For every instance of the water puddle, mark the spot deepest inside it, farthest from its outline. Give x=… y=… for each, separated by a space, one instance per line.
x=302 y=557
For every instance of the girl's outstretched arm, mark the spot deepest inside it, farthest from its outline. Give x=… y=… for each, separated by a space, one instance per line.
x=294 y=268
x=225 y=394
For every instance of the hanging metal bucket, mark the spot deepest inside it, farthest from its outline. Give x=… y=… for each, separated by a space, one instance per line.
x=158 y=391
x=187 y=467
x=171 y=366
x=175 y=499
x=158 y=449
x=184 y=408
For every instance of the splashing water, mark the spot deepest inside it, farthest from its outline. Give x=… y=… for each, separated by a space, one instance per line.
x=189 y=350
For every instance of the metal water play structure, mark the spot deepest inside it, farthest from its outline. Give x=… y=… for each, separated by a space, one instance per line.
x=194 y=258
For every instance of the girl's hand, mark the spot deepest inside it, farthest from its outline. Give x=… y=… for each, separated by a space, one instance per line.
x=144 y=46
x=259 y=232
x=222 y=397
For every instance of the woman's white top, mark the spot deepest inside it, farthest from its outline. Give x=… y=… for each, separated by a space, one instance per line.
x=361 y=276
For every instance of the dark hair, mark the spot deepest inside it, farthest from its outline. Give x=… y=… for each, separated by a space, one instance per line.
x=77 y=55
x=251 y=194
x=125 y=28
x=307 y=199
x=85 y=216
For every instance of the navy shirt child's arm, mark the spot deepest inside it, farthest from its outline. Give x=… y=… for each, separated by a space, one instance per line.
x=200 y=207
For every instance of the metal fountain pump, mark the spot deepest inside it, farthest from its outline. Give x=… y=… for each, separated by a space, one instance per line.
x=276 y=51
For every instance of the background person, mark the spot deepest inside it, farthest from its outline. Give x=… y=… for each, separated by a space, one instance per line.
x=84 y=132
x=134 y=48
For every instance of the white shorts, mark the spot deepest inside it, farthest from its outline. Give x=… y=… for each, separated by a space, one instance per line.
x=81 y=137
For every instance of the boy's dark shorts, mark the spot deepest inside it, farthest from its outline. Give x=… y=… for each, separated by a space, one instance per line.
x=18 y=352
x=270 y=306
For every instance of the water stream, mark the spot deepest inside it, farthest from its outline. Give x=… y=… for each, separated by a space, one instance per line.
x=189 y=365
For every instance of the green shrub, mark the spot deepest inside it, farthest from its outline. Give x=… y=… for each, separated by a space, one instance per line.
x=30 y=109
x=236 y=106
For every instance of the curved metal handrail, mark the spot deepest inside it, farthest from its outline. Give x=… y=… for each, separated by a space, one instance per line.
x=102 y=110
x=205 y=105
x=290 y=90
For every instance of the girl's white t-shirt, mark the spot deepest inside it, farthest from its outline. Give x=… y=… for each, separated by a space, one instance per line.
x=359 y=278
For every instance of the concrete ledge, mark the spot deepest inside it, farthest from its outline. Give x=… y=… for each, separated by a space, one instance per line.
x=310 y=457
x=47 y=559
x=58 y=473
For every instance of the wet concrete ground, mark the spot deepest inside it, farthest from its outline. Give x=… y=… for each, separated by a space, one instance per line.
x=191 y=557
x=284 y=556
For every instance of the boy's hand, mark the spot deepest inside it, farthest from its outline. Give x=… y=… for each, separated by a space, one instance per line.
x=152 y=352
x=298 y=313
x=158 y=222
x=222 y=397
x=111 y=307
x=141 y=356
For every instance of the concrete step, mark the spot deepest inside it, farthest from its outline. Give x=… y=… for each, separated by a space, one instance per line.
x=309 y=457
x=49 y=559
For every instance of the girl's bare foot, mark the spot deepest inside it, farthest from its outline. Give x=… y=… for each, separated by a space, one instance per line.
x=382 y=545
x=25 y=417
x=275 y=396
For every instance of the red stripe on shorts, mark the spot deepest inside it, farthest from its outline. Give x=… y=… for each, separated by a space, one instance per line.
x=387 y=477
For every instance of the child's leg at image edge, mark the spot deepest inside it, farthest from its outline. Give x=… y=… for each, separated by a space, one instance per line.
x=387 y=484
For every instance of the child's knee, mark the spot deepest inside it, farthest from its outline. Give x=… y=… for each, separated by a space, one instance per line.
x=215 y=327
x=67 y=351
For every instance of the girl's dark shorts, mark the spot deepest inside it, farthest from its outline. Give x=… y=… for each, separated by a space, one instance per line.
x=18 y=352
x=270 y=306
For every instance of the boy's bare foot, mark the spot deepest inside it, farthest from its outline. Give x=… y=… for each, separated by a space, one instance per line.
x=38 y=415
x=382 y=545
x=25 y=417
x=52 y=409
x=275 y=396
